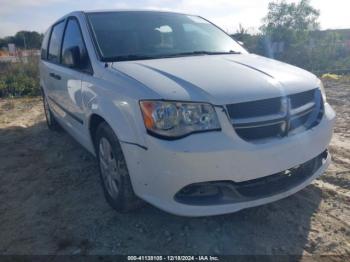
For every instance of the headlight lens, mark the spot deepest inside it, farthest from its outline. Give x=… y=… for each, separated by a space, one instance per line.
x=177 y=119
x=323 y=92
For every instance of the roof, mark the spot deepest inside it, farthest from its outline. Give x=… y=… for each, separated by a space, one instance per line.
x=129 y=10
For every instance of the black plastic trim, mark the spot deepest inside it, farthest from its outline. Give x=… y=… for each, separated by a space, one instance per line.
x=231 y=192
x=172 y=138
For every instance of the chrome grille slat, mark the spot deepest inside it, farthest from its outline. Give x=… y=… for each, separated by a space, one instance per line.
x=301 y=114
x=258 y=121
x=303 y=109
x=281 y=116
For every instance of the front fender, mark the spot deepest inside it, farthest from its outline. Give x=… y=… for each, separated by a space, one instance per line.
x=121 y=116
x=120 y=111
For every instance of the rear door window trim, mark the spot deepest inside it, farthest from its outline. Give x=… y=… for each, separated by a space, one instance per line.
x=48 y=44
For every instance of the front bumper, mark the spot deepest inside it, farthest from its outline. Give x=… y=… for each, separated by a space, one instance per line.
x=166 y=167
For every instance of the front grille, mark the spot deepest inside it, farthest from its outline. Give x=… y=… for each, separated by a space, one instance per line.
x=261 y=108
x=276 y=117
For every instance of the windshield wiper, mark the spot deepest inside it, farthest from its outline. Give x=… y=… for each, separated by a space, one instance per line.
x=130 y=58
x=202 y=53
x=133 y=57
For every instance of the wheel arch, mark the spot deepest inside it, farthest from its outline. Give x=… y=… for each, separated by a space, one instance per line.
x=94 y=121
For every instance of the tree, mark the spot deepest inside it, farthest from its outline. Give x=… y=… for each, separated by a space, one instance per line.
x=249 y=41
x=23 y=39
x=240 y=34
x=283 y=18
x=288 y=25
x=27 y=39
x=241 y=30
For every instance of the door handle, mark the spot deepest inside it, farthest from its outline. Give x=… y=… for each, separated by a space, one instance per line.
x=57 y=77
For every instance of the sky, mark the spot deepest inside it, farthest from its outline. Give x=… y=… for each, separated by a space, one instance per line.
x=16 y=15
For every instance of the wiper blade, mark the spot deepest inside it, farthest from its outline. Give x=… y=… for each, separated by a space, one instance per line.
x=133 y=57
x=201 y=53
x=130 y=58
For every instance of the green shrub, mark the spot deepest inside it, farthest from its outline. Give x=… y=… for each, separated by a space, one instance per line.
x=20 y=79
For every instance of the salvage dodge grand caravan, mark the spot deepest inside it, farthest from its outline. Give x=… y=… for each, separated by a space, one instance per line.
x=180 y=115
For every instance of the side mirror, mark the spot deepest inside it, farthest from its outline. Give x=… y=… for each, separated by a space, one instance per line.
x=71 y=57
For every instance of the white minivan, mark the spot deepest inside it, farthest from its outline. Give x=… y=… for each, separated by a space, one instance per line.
x=180 y=115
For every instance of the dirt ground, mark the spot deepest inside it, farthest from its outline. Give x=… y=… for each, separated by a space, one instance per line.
x=51 y=201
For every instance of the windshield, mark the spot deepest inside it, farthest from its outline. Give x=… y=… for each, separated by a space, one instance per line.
x=132 y=35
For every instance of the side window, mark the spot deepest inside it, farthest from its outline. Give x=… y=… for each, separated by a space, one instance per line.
x=74 y=53
x=44 y=45
x=55 y=43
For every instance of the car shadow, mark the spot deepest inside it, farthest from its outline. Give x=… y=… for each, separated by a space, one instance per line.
x=55 y=205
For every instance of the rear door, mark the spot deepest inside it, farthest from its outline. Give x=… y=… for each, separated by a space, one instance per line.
x=44 y=75
x=52 y=64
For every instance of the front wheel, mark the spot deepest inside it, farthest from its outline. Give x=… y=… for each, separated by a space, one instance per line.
x=114 y=174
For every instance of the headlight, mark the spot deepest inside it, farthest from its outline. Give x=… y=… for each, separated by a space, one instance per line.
x=323 y=92
x=177 y=119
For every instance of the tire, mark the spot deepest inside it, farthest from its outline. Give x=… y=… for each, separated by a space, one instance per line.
x=50 y=118
x=114 y=174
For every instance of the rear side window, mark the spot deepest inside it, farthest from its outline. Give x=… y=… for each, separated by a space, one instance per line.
x=44 y=45
x=74 y=53
x=55 y=42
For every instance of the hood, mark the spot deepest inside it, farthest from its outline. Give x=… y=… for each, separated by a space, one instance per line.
x=218 y=79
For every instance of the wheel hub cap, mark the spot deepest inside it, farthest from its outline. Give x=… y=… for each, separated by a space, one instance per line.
x=108 y=166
